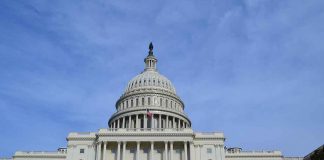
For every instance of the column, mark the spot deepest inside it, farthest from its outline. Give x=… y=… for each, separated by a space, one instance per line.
x=178 y=122
x=167 y=122
x=98 y=150
x=183 y=124
x=171 y=150
x=137 y=150
x=196 y=152
x=118 y=150
x=200 y=146
x=124 y=150
x=104 y=151
x=185 y=150
x=130 y=121
x=165 y=150
x=152 y=150
x=173 y=122
x=152 y=121
x=123 y=123
x=191 y=150
x=217 y=157
x=222 y=152
x=137 y=122
x=145 y=121
x=118 y=123
x=160 y=122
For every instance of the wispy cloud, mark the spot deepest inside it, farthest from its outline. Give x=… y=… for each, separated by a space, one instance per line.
x=249 y=68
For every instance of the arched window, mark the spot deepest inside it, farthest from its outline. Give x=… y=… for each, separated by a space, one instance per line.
x=160 y=101
x=132 y=103
x=142 y=101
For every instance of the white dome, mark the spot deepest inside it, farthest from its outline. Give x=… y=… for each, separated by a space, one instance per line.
x=150 y=79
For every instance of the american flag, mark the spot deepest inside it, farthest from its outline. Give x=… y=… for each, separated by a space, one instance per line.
x=148 y=113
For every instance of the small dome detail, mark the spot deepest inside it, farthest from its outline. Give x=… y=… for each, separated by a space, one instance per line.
x=150 y=78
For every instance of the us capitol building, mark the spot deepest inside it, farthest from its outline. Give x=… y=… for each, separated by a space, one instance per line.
x=149 y=124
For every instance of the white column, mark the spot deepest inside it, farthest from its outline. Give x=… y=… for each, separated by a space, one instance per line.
x=183 y=124
x=137 y=151
x=118 y=150
x=216 y=155
x=160 y=121
x=200 y=146
x=130 y=121
x=167 y=122
x=165 y=150
x=178 y=122
x=223 y=152
x=145 y=121
x=192 y=151
x=123 y=123
x=185 y=151
x=152 y=151
x=196 y=152
x=118 y=123
x=171 y=150
x=98 y=150
x=104 y=151
x=99 y=157
x=173 y=122
x=124 y=150
x=137 y=122
x=152 y=120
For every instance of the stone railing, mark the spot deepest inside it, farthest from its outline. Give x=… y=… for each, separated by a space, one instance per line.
x=124 y=130
x=40 y=154
x=254 y=153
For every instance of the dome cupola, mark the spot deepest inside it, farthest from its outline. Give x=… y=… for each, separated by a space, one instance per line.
x=149 y=101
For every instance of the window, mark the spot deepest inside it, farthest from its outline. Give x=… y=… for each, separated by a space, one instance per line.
x=81 y=150
x=166 y=103
x=142 y=101
x=209 y=150
x=149 y=101
x=131 y=103
x=136 y=102
x=160 y=101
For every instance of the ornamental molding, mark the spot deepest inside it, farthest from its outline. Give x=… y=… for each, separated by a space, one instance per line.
x=145 y=134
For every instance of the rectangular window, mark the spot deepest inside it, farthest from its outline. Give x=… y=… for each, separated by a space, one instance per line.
x=149 y=101
x=81 y=150
x=209 y=150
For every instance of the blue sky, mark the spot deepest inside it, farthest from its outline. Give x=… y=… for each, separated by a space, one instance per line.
x=251 y=69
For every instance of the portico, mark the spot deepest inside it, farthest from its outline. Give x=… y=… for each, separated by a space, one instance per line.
x=152 y=150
